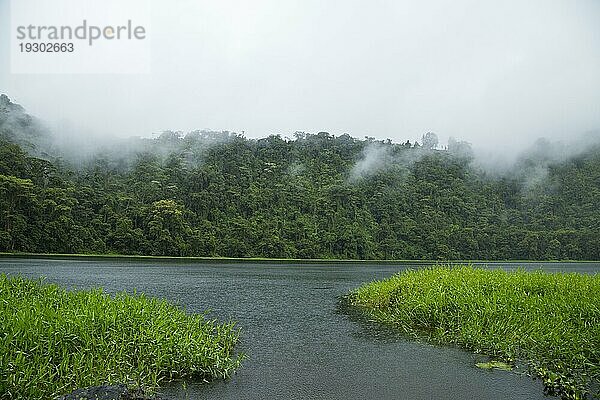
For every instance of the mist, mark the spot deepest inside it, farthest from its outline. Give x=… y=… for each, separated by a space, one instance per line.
x=499 y=75
x=375 y=157
x=529 y=164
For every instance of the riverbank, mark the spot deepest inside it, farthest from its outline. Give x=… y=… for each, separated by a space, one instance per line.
x=56 y=341
x=216 y=260
x=550 y=321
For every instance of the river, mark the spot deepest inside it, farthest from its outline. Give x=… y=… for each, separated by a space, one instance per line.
x=299 y=341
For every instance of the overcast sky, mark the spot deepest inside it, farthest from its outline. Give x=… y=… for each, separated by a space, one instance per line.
x=489 y=72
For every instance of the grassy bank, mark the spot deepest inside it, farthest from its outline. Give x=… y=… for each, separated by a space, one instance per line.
x=54 y=341
x=550 y=321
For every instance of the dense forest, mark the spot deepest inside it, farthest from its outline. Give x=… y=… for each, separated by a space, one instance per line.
x=312 y=196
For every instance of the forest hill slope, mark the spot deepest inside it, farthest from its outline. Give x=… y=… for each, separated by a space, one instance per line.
x=315 y=196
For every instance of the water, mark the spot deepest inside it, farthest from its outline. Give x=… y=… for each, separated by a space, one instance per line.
x=300 y=343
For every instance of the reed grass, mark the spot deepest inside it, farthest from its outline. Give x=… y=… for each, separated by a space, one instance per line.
x=551 y=321
x=54 y=341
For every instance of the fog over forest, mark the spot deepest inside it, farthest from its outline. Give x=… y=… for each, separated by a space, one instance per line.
x=499 y=75
x=190 y=189
x=318 y=129
x=315 y=195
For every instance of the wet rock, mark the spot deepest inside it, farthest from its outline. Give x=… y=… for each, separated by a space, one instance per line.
x=109 y=392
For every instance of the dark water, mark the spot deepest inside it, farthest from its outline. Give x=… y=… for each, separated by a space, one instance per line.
x=300 y=343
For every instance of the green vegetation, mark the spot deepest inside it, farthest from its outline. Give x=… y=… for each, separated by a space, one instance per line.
x=54 y=341
x=550 y=321
x=314 y=196
x=494 y=364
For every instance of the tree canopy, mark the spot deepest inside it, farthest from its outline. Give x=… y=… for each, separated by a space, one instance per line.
x=314 y=196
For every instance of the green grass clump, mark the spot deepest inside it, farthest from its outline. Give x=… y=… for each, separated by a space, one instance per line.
x=549 y=320
x=54 y=341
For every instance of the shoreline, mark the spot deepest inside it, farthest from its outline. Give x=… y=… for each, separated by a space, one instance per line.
x=498 y=313
x=250 y=260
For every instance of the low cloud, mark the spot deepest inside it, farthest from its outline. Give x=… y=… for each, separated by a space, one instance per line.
x=375 y=157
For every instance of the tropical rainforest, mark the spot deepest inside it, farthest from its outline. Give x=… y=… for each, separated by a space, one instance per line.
x=220 y=194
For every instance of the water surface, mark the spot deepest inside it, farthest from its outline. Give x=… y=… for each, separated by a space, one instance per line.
x=300 y=343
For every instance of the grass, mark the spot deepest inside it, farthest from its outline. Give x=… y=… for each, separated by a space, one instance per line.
x=550 y=321
x=54 y=341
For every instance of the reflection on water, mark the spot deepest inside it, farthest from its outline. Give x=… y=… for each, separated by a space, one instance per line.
x=301 y=343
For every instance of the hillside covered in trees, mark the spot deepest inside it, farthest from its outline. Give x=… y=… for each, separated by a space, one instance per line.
x=313 y=196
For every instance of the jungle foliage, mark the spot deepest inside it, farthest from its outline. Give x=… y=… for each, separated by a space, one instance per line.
x=312 y=196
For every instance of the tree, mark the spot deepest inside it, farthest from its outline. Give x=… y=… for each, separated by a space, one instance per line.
x=429 y=140
x=219 y=193
x=168 y=229
x=16 y=200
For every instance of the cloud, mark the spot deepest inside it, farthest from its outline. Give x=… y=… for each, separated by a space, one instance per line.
x=375 y=157
x=496 y=74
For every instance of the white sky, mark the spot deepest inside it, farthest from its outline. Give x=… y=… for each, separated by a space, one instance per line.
x=495 y=73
